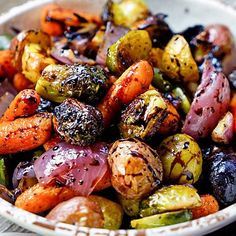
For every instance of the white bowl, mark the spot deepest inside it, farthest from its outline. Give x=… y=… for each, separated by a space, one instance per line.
x=182 y=13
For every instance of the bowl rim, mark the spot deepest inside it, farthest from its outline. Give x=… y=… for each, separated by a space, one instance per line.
x=44 y=226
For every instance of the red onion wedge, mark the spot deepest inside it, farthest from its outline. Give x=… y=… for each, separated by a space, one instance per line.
x=210 y=103
x=80 y=168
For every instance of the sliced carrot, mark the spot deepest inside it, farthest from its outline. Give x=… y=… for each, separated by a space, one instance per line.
x=20 y=82
x=7 y=69
x=25 y=134
x=209 y=206
x=134 y=81
x=54 y=19
x=24 y=104
x=39 y=198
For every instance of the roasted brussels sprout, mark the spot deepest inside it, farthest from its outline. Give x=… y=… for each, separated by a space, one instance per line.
x=81 y=211
x=158 y=29
x=136 y=168
x=132 y=47
x=148 y=115
x=182 y=159
x=86 y=83
x=178 y=62
x=78 y=123
x=220 y=173
x=163 y=219
x=171 y=198
x=112 y=212
x=125 y=12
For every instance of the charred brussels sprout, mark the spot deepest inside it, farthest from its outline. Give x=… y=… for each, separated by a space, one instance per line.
x=136 y=168
x=220 y=170
x=148 y=115
x=132 y=47
x=171 y=198
x=86 y=83
x=78 y=123
x=168 y=218
x=181 y=158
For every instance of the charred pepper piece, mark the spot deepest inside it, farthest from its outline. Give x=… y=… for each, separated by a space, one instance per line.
x=86 y=83
x=78 y=123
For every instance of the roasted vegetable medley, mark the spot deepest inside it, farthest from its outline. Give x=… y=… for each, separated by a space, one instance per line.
x=116 y=121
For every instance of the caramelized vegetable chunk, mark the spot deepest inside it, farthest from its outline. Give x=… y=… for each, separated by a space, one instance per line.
x=80 y=211
x=78 y=123
x=178 y=62
x=209 y=206
x=7 y=68
x=136 y=168
x=132 y=47
x=24 y=104
x=134 y=81
x=24 y=134
x=38 y=198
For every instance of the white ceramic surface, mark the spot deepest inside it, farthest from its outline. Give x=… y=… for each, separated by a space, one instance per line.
x=182 y=13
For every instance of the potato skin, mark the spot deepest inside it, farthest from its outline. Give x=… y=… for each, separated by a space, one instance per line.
x=81 y=211
x=136 y=168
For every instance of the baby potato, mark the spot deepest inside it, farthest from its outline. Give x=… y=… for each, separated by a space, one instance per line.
x=134 y=46
x=181 y=158
x=80 y=211
x=136 y=168
x=112 y=212
x=177 y=61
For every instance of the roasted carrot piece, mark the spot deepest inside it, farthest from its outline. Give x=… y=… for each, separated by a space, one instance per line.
x=134 y=81
x=25 y=134
x=209 y=206
x=20 y=82
x=54 y=18
x=24 y=104
x=7 y=69
x=40 y=198
x=233 y=109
